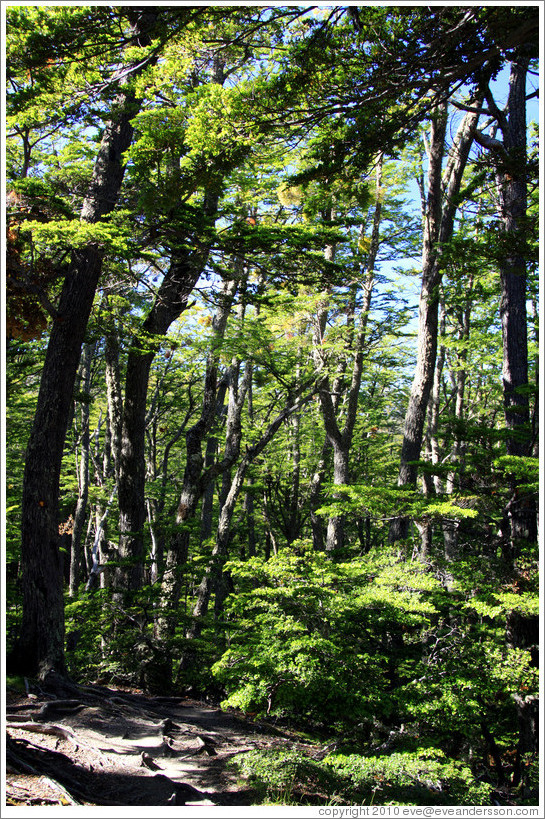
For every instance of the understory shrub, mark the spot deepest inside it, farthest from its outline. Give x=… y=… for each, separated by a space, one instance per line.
x=426 y=777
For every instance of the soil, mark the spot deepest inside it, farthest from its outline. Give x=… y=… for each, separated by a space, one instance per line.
x=112 y=746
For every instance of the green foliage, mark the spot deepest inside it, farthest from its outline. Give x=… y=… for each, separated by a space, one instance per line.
x=107 y=640
x=109 y=236
x=383 y=502
x=253 y=152
x=525 y=470
x=371 y=641
x=287 y=777
x=313 y=639
x=284 y=655
x=499 y=602
x=427 y=777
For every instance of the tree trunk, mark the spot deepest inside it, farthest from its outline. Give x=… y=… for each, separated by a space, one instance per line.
x=315 y=498
x=510 y=163
x=427 y=320
x=451 y=527
x=99 y=547
x=81 y=506
x=41 y=644
x=335 y=525
x=207 y=508
x=292 y=517
x=512 y=188
x=441 y=205
x=250 y=519
x=195 y=480
x=170 y=302
x=223 y=532
x=341 y=441
x=464 y=325
x=185 y=269
x=114 y=397
x=433 y=416
x=228 y=495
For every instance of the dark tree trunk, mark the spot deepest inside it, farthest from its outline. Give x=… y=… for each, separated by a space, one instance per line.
x=42 y=629
x=196 y=480
x=171 y=301
x=512 y=187
x=432 y=441
x=40 y=649
x=207 y=509
x=81 y=506
x=315 y=499
x=219 y=324
x=510 y=162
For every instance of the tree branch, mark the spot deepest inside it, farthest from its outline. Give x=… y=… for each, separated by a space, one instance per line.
x=490 y=143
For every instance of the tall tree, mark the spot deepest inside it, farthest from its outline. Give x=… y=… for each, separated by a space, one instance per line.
x=171 y=300
x=441 y=205
x=339 y=438
x=41 y=645
x=509 y=158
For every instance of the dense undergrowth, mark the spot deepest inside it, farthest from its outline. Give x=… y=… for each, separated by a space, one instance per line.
x=413 y=686
x=425 y=777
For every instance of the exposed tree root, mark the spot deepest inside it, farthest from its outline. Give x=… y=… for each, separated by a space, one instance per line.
x=56 y=730
x=121 y=748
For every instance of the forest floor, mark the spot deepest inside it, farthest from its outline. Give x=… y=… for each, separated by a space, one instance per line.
x=110 y=746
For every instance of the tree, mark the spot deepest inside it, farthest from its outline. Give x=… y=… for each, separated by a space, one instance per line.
x=510 y=165
x=251 y=293
x=41 y=646
x=341 y=439
x=83 y=482
x=441 y=204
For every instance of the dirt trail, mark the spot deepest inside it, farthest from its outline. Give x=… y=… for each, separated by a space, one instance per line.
x=113 y=747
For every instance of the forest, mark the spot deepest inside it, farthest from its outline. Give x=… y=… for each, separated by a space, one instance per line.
x=271 y=402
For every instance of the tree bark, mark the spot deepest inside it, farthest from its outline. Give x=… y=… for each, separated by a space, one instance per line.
x=512 y=188
x=316 y=482
x=510 y=163
x=81 y=506
x=114 y=397
x=294 y=501
x=170 y=302
x=196 y=480
x=460 y=378
x=441 y=205
x=451 y=528
x=40 y=649
x=432 y=440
